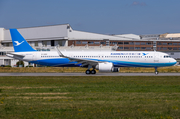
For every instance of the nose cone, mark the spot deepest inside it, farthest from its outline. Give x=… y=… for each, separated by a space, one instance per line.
x=173 y=61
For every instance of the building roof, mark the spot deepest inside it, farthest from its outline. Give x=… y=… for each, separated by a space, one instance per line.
x=174 y=35
x=129 y=36
x=64 y=31
x=40 y=33
x=80 y=35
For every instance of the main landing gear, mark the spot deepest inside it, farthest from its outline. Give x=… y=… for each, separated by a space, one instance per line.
x=90 y=71
x=156 y=71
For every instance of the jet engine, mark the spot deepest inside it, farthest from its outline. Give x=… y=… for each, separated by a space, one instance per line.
x=106 y=67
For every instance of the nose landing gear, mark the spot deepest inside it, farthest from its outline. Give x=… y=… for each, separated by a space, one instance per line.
x=156 y=71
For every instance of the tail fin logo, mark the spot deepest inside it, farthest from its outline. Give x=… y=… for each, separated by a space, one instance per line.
x=17 y=43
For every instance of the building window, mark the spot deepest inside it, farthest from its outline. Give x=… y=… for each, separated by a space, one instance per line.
x=143 y=43
x=120 y=48
x=164 y=43
x=96 y=42
x=131 y=43
x=148 y=43
x=84 y=42
x=6 y=44
x=131 y=48
x=113 y=43
x=175 y=43
x=175 y=48
x=169 y=43
x=137 y=48
x=9 y=44
x=2 y=53
x=126 y=48
x=143 y=48
x=36 y=43
x=60 y=43
x=126 y=43
x=159 y=43
x=102 y=42
x=78 y=42
x=120 y=43
x=164 y=48
x=90 y=42
x=137 y=43
x=169 y=48
x=148 y=48
x=44 y=43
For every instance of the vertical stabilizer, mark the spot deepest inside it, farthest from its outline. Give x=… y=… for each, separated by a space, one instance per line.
x=19 y=43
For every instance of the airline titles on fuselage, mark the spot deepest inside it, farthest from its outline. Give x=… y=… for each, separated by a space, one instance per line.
x=125 y=53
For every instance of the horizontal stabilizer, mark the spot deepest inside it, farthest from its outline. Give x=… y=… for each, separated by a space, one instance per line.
x=19 y=55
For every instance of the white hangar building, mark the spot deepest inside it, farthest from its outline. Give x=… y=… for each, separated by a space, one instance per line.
x=61 y=35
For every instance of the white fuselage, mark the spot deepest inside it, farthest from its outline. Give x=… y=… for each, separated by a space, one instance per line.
x=118 y=58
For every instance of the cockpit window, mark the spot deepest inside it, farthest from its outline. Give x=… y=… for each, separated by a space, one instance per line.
x=166 y=56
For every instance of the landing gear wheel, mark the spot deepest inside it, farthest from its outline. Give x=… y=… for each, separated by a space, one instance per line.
x=88 y=72
x=93 y=72
x=156 y=72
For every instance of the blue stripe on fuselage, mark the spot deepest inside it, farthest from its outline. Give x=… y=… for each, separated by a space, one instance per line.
x=64 y=62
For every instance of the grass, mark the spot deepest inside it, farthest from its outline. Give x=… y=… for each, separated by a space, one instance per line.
x=174 y=69
x=90 y=97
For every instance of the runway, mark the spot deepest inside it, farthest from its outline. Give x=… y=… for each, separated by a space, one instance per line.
x=83 y=74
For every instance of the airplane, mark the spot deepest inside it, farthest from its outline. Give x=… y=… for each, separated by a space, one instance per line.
x=104 y=61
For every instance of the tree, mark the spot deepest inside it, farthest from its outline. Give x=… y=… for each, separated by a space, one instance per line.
x=20 y=63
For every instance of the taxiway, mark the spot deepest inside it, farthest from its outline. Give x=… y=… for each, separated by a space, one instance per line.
x=83 y=74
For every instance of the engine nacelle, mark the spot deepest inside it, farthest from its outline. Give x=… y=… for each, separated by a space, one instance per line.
x=106 y=67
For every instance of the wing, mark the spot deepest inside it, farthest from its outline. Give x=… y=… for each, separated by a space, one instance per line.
x=84 y=62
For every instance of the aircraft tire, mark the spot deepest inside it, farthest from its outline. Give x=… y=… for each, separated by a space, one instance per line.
x=156 y=72
x=93 y=72
x=88 y=72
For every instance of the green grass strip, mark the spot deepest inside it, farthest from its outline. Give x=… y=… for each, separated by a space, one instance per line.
x=90 y=97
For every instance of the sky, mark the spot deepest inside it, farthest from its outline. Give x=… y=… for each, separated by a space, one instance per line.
x=97 y=16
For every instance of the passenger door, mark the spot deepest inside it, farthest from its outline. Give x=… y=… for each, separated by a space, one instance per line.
x=156 y=57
